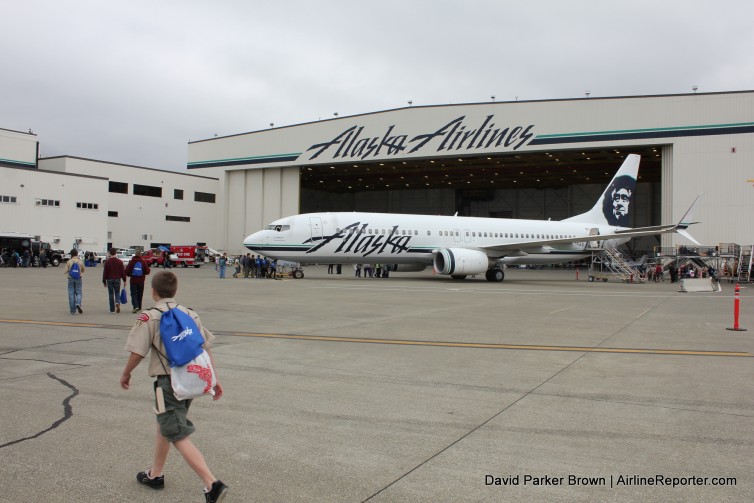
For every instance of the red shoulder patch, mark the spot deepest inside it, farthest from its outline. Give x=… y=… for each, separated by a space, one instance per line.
x=144 y=317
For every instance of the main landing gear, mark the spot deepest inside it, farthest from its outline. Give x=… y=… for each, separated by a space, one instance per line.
x=495 y=274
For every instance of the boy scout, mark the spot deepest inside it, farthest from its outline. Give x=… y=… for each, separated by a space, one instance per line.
x=173 y=425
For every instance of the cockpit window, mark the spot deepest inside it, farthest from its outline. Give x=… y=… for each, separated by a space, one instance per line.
x=278 y=227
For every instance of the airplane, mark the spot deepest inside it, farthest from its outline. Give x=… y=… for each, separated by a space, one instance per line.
x=460 y=246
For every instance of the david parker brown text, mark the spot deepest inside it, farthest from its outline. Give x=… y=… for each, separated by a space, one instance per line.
x=613 y=481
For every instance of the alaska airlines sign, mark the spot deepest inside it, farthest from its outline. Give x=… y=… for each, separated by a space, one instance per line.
x=353 y=240
x=456 y=135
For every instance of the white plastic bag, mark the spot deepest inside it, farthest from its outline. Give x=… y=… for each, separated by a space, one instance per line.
x=196 y=378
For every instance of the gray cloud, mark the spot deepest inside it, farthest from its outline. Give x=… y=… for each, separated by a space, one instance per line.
x=134 y=81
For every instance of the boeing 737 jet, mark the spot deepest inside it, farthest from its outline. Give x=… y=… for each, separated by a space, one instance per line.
x=459 y=246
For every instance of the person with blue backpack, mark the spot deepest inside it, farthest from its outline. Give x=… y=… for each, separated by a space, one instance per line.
x=74 y=270
x=138 y=270
x=153 y=327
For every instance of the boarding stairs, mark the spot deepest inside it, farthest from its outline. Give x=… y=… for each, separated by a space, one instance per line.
x=745 y=263
x=610 y=262
x=698 y=262
x=213 y=253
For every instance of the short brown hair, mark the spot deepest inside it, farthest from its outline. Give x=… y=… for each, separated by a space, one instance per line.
x=165 y=284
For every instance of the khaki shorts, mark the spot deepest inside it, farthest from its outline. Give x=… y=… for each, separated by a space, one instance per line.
x=174 y=423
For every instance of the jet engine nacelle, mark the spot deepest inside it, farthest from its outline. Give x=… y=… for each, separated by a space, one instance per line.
x=408 y=267
x=460 y=261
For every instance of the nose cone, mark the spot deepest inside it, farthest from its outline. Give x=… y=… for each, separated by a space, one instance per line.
x=254 y=240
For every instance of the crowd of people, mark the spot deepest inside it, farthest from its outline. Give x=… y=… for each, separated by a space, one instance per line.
x=11 y=258
x=689 y=271
x=258 y=266
x=251 y=266
x=378 y=271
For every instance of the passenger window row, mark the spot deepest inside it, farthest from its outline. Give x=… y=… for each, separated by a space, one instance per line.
x=509 y=235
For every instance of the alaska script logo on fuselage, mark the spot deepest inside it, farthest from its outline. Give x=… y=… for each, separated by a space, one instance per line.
x=455 y=135
x=353 y=239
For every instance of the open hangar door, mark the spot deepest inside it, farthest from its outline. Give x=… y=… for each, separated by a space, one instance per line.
x=532 y=185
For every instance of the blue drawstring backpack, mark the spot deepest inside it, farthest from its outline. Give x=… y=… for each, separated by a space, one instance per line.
x=137 y=271
x=75 y=271
x=191 y=374
x=180 y=336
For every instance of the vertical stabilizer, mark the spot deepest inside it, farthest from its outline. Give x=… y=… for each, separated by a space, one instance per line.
x=615 y=205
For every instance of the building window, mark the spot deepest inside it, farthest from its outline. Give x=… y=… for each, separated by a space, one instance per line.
x=172 y=218
x=118 y=187
x=48 y=202
x=112 y=214
x=147 y=190
x=87 y=206
x=204 y=197
x=178 y=194
x=7 y=199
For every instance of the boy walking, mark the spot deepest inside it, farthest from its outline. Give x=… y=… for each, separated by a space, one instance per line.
x=137 y=269
x=173 y=425
x=74 y=269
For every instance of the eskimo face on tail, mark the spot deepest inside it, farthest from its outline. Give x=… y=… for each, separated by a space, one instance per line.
x=616 y=205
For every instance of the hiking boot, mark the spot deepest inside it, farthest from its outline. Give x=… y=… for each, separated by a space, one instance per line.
x=155 y=483
x=117 y=308
x=217 y=492
x=78 y=308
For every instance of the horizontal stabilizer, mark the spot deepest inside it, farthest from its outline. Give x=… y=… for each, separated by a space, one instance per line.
x=685 y=234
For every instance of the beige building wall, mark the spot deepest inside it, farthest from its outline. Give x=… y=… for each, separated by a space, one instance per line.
x=138 y=220
x=46 y=205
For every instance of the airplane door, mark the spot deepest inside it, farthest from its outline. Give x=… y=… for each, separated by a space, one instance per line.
x=316 y=225
x=466 y=236
x=457 y=235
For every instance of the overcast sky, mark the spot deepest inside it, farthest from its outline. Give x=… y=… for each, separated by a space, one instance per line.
x=134 y=81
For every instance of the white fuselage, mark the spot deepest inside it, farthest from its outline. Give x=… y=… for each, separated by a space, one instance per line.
x=411 y=239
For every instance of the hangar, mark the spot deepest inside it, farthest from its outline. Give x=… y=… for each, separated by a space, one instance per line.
x=93 y=205
x=521 y=159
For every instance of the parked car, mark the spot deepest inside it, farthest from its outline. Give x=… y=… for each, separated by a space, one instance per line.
x=124 y=257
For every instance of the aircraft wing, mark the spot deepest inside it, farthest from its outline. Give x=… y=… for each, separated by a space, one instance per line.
x=538 y=246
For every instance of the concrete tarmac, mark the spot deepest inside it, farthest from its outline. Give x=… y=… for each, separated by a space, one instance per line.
x=415 y=388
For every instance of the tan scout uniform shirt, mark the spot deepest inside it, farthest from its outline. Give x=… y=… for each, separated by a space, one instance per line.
x=147 y=330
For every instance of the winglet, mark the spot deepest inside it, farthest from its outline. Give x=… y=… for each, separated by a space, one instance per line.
x=687 y=220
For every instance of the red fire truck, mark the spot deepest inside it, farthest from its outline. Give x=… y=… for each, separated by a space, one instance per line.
x=188 y=255
x=185 y=256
